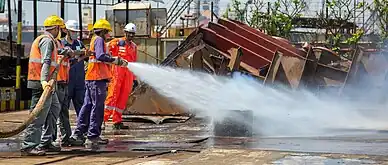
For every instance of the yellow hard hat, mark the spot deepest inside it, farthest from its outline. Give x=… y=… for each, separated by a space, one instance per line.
x=54 y=20
x=102 y=24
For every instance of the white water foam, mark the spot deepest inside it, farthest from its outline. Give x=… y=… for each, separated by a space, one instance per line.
x=277 y=112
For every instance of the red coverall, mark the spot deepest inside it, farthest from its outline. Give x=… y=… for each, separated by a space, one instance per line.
x=121 y=83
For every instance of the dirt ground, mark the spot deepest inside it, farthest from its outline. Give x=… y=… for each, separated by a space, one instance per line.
x=192 y=143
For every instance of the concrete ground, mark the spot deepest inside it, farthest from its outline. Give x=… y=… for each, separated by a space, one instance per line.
x=192 y=143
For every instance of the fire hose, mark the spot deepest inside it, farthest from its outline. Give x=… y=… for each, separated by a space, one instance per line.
x=47 y=91
x=35 y=112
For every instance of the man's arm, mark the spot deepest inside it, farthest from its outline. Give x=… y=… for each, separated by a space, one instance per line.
x=99 y=47
x=46 y=46
x=66 y=51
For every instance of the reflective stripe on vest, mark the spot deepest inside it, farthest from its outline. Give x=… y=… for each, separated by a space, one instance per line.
x=97 y=70
x=114 y=109
x=35 y=61
x=63 y=72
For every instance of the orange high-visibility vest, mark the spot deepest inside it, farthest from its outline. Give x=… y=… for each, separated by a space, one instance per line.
x=64 y=67
x=128 y=51
x=97 y=70
x=35 y=61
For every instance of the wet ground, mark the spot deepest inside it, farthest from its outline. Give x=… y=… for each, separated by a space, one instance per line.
x=193 y=142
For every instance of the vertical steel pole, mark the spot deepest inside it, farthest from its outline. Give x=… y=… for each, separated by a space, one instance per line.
x=198 y=11
x=157 y=35
x=212 y=14
x=126 y=11
x=20 y=52
x=10 y=28
x=35 y=15
x=187 y=19
x=80 y=18
x=63 y=9
x=94 y=11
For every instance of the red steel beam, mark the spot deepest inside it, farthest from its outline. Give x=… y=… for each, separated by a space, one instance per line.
x=241 y=40
x=223 y=44
x=273 y=44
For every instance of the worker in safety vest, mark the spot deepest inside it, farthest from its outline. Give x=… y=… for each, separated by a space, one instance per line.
x=98 y=74
x=64 y=79
x=42 y=63
x=121 y=84
x=61 y=90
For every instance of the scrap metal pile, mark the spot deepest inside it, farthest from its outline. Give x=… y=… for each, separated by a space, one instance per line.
x=227 y=46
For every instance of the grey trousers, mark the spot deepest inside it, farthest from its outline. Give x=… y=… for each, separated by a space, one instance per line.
x=46 y=120
x=63 y=120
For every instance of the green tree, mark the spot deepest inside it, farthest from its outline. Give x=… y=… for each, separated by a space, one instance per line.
x=338 y=21
x=381 y=9
x=276 y=20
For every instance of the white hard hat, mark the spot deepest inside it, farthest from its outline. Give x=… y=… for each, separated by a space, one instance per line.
x=72 y=25
x=130 y=28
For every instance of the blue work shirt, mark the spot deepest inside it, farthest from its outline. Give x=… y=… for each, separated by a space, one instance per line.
x=77 y=68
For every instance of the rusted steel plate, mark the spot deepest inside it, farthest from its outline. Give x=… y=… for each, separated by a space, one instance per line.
x=279 y=44
x=368 y=68
x=150 y=102
x=293 y=69
x=286 y=70
x=184 y=60
x=326 y=56
x=224 y=44
x=190 y=41
x=241 y=40
x=244 y=65
x=261 y=38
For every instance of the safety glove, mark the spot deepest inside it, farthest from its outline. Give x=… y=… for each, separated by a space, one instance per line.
x=44 y=84
x=119 y=61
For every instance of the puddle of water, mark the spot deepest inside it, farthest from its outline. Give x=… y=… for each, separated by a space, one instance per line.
x=315 y=160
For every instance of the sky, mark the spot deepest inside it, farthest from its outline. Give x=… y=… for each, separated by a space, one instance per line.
x=48 y=8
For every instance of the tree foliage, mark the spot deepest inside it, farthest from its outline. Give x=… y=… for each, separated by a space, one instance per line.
x=276 y=20
x=339 y=22
x=381 y=9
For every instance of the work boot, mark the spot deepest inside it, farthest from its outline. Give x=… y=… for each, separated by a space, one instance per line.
x=33 y=152
x=51 y=148
x=102 y=141
x=68 y=142
x=76 y=141
x=95 y=142
x=119 y=126
x=91 y=144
